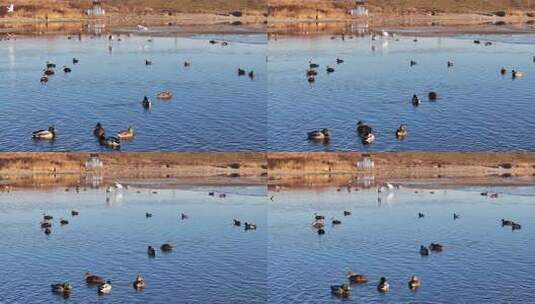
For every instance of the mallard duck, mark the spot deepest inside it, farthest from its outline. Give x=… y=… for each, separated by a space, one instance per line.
x=318 y=217
x=341 y=290
x=64 y=287
x=251 y=74
x=212 y=42
x=49 y=72
x=324 y=134
x=313 y=65
x=339 y=61
x=50 y=65
x=139 y=282
x=48 y=231
x=347 y=213
x=241 y=72
x=126 y=134
x=312 y=72
x=224 y=43
x=151 y=251
x=147 y=215
x=424 y=251
x=99 y=130
x=110 y=142
x=450 y=64
x=383 y=285
x=66 y=69
x=311 y=79
x=104 y=288
x=336 y=222
x=184 y=216
x=45 y=134
x=148 y=62
x=166 y=247
x=363 y=128
x=44 y=79
x=516 y=226
x=516 y=74
x=318 y=224
x=413 y=63
x=507 y=223
x=456 y=216
x=356 y=278
x=503 y=71
x=46 y=224
x=74 y=61
x=187 y=64
x=421 y=215
x=63 y=222
x=93 y=279
x=165 y=95
x=415 y=100
x=329 y=69
x=47 y=217
x=368 y=139
x=250 y=226
x=432 y=96
x=236 y=223
x=321 y=231
x=436 y=247
x=74 y=213
x=401 y=132
x=414 y=282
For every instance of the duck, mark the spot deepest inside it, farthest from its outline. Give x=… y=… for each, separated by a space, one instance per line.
x=424 y=251
x=503 y=71
x=507 y=223
x=224 y=43
x=251 y=74
x=63 y=222
x=75 y=61
x=236 y=223
x=323 y=134
x=383 y=285
x=146 y=103
x=50 y=65
x=99 y=130
x=456 y=216
x=165 y=95
x=413 y=63
x=75 y=213
x=311 y=79
x=147 y=215
x=516 y=226
x=64 y=287
x=48 y=231
x=46 y=225
x=104 y=288
x=48 y=72
x=110 y=142
x=477 y=41
x=126 y=134
x=436 y=247
x=363 y=128
x=421 y=215
x=450 y=64
x=313 y=65
x=167 y=247
x=212 y=42
x=415 y=100
x=330 y=69
x=250 y=226
x=184 y=216
x=139 y=282
x=44 y=79
x=312 y=72
x=187 y=64
x=45 y=134
x=241 y=72
x=66 y=69
x=341 y=290
x=347 y=213
x=414 y=282
x=151 y=251
x=47 y=217
x=93 y=279
x=516 y=74
x=336 y=222
x=401 y=132
x=356 y=278
x=319 y=217
x=432 y=96
x=321 y=231
x=368 y=139
x=318 y=224
x=148 y=62
x=339 y=61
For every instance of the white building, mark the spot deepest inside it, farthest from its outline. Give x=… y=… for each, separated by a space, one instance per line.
x=96 y=10
x=360 y=9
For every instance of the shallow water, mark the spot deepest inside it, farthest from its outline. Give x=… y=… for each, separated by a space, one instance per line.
x=481 y=263
x=212 y=110
x=478 y=109
x=213 y=261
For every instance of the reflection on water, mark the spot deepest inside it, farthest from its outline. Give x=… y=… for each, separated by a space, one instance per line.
x=213 y=261
x=212 y=110
x=477 y=108
x=481 y=262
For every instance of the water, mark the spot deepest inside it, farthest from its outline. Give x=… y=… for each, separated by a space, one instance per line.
x=212 y=110
x=477 y=110
x=213 y=261
x=481 y=263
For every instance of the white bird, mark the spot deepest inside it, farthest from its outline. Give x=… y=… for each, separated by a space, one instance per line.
x=385 y=34
x=142 y=28
x=11 y=8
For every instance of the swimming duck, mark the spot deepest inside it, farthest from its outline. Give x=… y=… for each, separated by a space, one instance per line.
x=318 y=217
x=48 y=231
x=44 y=79
x=456 y=216
x=236 y=223
x=212 y=42
x=74 y=61
x=250 y=226
x=139 y=282
x=450 y=64
x=356 y=278
x=506 y=223
x=336 y=222
x=45 y=134
x=436 y=247
x=241 y=72
x=420 y=215
x=187 y=64
x=432 y=96
x=74 y=213
x=341 y=290
x=488 y=43
x=104 y=288
x=147 y=215
x=368 y=139
x=126 y=134
x=64 y=287
x=516 y=74
x=424 y=251
x=312 y=72
x=339 y=61
x=318 y=224
x=146 y=103
x=383 y=285
x=477 y=41
x=166 y=247
x=148 y=62
x=413 y=63
x=64 y=222
x=47 y=217
x=401 y=132
x=99 y=130
x=50 y=65
x=313 y=65
x=151 y=251
x=323 y=134
x=93 y=279
x=184 y=216
x=211 y=193
x=46 y=224
x=330 y=69
x=516 y=226
x=415 y=100
x=414 y=282
x=321 y=231
x=251 y=74
x=347 y=213
x=66 y=69
x=110 y=142
x=165 y=95
x=311 y=79
x=49 y=72
x=224 y=43
x=363 y=128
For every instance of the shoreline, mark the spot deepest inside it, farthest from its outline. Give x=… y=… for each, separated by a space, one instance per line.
x=274 y=169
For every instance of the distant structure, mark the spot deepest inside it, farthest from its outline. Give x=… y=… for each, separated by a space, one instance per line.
x=360 y=9
x=96 y=10
x=11 y=8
